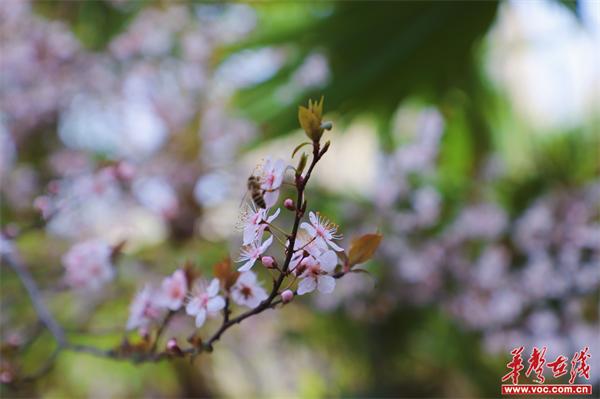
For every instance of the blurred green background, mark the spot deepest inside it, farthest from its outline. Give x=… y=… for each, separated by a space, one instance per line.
x=466 y=132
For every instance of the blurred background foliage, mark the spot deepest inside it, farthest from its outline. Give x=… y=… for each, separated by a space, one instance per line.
x=442 y=143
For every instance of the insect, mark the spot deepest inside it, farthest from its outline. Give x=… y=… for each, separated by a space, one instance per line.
x=256 y=192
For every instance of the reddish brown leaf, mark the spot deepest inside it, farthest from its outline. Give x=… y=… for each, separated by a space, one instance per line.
x=225 y=273
x=363 y=248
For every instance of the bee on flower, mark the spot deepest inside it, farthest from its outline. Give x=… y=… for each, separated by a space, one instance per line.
x=271 y=180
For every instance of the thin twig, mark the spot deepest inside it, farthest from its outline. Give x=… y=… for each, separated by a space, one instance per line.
x=36 y=298
x=123 y=354
x=161 y=329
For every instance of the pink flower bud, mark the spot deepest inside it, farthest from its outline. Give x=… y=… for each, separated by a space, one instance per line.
x=144 y=333
x=173 y=347
x=6 y=377
x=125 y=171
x=44 y=205
x=54 y=187
x=289 y=204
x=172 y=344
x=268 y=261
x=287 y=296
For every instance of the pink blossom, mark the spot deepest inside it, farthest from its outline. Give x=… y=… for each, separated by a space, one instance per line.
x=323 y=231
x=144 y=309
x=247 y=291
x=268 y=261
x=305 y=245
x=287 y=296
x=88 y=265
x=205 y=301
x=256 y=223
x=289 y=204
x=173 y=290
x=316 y=273
x=172 y=344
x=45 y=205
x=271 y=180
x=251 y=253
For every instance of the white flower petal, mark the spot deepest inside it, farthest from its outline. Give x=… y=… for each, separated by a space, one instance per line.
x=334 y=246
x=200 y=317
x=313 y=219
x=278 y=171
x=247 y=278
x=272 y=217
x=215 y=304
x=326 y=284
x=250 y=233
x=321 y=243
x=246 y=266
x=193 y=307
x=328 y=261
x=213 y=288
x=265 y=245
x=271 y=197
x=309 y=229
x=306 y=285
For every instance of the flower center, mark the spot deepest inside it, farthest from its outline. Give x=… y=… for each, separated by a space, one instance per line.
x=175 y=292
x=246 y=291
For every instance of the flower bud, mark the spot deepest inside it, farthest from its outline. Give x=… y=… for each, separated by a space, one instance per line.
x=6 y=377
x=268 y=261
x=125 y=171
x=327 y=125
x=287 y=296
x=173 y=347
x=144 y=333
x=289 y=204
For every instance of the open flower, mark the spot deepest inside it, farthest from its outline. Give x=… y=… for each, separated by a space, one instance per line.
x=247 y=291
x=252 y=252
x=88 y=265
x=316 y=273
x=323 y=231
x=304 y=246
x=173 y=290
x=205 y=301
x=271 y=180
x=256 y=223
x=144 y=309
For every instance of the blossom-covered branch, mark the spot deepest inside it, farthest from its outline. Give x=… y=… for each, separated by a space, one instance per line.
x=313 y=259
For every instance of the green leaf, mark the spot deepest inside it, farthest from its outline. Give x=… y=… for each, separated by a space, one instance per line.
x=379 y=53
x=298 y=147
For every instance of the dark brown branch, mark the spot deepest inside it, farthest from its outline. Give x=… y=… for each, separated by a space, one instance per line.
x=161 y=329
x=270 y=302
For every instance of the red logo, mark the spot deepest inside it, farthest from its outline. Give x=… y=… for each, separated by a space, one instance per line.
x=535 y=371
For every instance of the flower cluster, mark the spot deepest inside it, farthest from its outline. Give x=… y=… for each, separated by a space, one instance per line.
x=300 y=249
x=313 y=257
x=525 y=277
x=88 y=265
